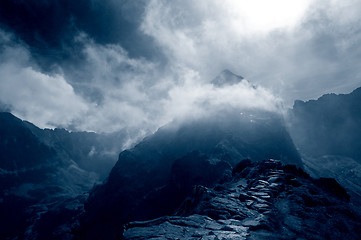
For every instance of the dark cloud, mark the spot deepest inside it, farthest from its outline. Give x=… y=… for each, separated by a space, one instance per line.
x=49 y=27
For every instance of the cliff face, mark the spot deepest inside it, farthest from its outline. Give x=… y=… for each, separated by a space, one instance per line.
x=327 y=133
x=330 y=125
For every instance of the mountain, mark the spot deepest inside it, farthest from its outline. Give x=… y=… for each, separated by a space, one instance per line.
x=230 y=172
x=225 y=78
x=45 y=176
x=153 y=178
x=327 y=132
x=91 y=151
x=329 y=125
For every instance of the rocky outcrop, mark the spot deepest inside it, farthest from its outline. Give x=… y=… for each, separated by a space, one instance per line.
x=154 y=177
x=263 y=200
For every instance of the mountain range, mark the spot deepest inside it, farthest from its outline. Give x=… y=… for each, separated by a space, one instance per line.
x=46 y=174
x=231 y=174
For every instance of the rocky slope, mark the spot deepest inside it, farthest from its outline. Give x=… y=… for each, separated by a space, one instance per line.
x=263 y=200
x=44 y=177
x=154 y=177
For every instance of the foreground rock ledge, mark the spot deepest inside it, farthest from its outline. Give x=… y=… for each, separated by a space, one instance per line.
x=264 y=200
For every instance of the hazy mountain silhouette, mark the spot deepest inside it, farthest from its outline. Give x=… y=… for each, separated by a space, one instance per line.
x=225 y=78
x=44 y=175
x=329 y=125
x=327 y=132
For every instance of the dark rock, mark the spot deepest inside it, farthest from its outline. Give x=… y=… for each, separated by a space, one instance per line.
x=333 y=187
x=196 y=169
x=314 y=201
x=292 y=169
x=243 y=197
x=292 y=212
x=294 y=182
x=241 y=166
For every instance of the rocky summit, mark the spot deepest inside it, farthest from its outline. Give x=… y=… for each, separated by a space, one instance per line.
x=262 y=200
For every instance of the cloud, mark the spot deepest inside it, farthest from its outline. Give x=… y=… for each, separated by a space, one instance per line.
x=48 y=101
x=137 y=93
x=138 y=66
x=118 y=86
x=110 y=91
x=48 y=27
x=106 y=93
x=298 y=58
x=211 y=36
x=194 y=99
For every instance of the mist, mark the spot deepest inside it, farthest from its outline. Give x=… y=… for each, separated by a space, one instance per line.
x=156 y=60
x=111 y=91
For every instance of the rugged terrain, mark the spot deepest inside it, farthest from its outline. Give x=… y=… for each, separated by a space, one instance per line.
x=153 y=178
x=228 y=174
x=45 y=176
x=263 y=200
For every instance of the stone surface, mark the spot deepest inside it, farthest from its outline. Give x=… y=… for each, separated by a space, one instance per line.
x=305 y=211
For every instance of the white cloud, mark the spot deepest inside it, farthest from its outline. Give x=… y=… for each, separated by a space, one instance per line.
x=48 y=101
x=194 y=99
x=298 y=49
x=137 y=94
x=209 y=36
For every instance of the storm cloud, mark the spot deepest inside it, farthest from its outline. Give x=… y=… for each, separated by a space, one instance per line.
x=110 y=65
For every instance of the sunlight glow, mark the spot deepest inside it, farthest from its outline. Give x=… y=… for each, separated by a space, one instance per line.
x=266 y=15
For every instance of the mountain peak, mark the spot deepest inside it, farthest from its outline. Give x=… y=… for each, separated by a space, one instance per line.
x=226 y=78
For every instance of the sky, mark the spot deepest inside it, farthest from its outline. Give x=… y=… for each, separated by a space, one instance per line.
x=107 y=65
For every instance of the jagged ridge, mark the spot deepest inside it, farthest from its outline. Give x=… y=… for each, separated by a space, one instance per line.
x=263 y=200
